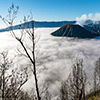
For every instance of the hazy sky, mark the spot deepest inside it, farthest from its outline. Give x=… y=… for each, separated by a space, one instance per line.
x=52 y=10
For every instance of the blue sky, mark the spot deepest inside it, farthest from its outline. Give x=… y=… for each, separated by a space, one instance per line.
x=52 y=10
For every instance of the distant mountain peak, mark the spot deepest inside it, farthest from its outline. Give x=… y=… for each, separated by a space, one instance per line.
x=74 y=31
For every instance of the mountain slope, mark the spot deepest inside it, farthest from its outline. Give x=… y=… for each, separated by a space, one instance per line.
x=38 y=24
x=74 y=31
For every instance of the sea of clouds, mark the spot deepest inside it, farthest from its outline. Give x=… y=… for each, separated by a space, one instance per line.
x=55 y=57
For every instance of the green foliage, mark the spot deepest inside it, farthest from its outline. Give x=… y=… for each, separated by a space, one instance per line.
x=94 y=98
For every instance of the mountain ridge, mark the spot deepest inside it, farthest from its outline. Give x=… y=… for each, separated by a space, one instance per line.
x=74 y=31
x=38 y=24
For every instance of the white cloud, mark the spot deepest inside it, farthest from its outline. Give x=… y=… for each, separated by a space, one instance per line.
x=83 y=17
x=56 y=56
x=95 y=17
x=90 y=15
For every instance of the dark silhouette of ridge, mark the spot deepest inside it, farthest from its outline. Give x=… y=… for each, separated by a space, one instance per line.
x=74 y=31
x=38 y=24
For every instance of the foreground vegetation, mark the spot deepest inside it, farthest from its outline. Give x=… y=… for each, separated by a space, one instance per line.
x=12 y=84
x=93 y=95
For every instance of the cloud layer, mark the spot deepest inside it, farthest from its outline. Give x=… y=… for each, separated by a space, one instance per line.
x=56 y=56
x=90 y=16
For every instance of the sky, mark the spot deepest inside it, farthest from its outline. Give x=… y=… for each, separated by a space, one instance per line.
x=52 y=10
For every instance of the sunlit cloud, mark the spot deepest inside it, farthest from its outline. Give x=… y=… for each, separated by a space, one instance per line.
x=95 y=17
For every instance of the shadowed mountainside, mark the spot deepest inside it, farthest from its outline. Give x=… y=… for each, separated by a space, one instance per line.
x=38 y=24
x=74 y=31
x=93 y=28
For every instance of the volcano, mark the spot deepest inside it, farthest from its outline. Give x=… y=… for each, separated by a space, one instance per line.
x=74 y=31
